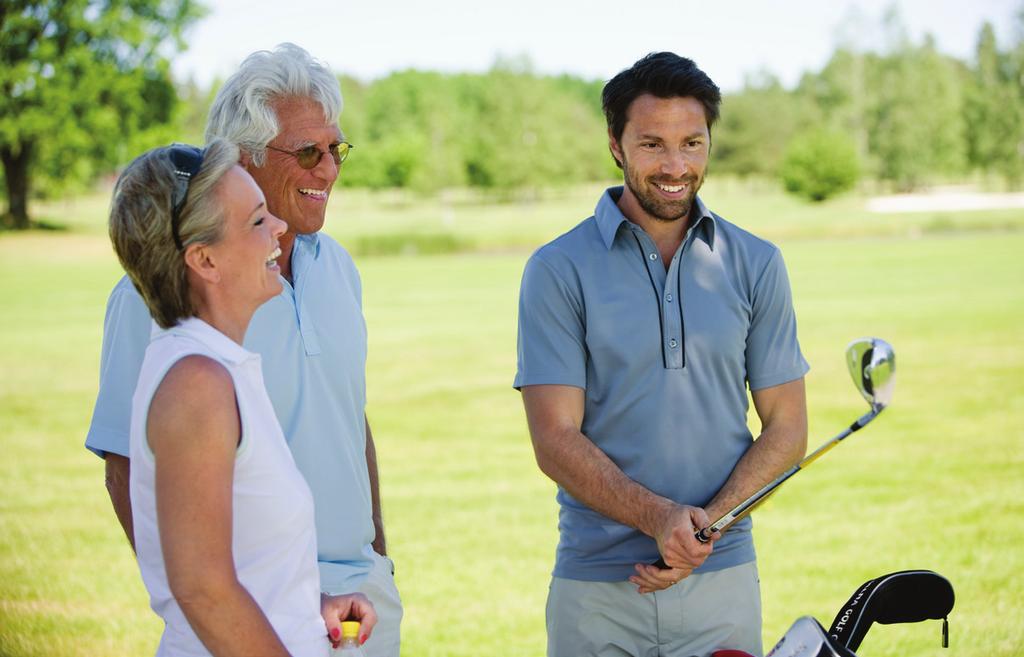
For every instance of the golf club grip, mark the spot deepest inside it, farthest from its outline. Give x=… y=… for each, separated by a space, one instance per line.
x=699 y=535
x=742 y=509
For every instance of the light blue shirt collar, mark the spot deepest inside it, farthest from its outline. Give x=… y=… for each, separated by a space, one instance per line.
x=609 y=217
x=307 y=244
x=305 y=251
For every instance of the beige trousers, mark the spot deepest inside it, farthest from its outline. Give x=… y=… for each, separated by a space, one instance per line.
x=700 y=614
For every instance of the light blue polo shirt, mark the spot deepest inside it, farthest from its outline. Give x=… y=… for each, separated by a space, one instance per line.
x=312 y=340
x=664 y=358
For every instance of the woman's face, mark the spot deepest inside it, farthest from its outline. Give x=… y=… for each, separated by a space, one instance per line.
x=247 y=251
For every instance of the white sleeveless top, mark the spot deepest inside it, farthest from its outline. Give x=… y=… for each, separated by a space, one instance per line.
x=273 y=537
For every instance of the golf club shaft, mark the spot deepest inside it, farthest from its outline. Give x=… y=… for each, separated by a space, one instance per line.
x=742 y=509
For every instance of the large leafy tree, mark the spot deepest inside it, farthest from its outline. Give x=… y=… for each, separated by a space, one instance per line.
x=80 y=80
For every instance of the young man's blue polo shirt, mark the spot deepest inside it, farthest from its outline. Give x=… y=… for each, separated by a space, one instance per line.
x=312 y=340
x=664 y=357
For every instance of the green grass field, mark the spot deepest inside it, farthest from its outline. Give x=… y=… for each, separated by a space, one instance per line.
x=936 y=482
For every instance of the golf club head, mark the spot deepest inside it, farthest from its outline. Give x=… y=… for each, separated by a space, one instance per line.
x=807 y=638
x=872 y=366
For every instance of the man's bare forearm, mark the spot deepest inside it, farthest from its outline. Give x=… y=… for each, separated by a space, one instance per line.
x=379 y=542
x=574 y=462
x=117 y=469
x=781 y=444
x=585 y=472
x=564 y=453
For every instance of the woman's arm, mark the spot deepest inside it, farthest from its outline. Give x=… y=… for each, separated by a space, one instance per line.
x=194 y=429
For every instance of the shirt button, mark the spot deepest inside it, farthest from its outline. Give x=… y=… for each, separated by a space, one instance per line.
x=672 y=343
x=668 y=297
x=654 y=256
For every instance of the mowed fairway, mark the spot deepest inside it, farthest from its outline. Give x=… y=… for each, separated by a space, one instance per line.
x=936 y=482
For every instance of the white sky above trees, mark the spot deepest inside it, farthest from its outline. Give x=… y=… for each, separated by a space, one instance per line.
x=588 y=38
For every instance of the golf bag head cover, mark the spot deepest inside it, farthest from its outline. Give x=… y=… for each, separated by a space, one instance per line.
x=908 y=596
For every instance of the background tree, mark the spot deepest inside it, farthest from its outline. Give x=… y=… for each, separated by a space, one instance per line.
x=505 y=131
x=82 y=84
x=915 y=112
x=993 y=109
x=531 y=132
x=415 y=126
x=756 y=124
x=839 y=97
x=819 y=164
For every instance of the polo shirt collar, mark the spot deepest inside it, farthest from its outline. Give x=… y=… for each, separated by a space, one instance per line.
x=218 y=343
x=609 y=218
x=306 y=246
x=305 y=251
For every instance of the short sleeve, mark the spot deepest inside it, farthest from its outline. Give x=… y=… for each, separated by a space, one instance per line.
x=552 y=345
x=773 y=353
x=126 y=333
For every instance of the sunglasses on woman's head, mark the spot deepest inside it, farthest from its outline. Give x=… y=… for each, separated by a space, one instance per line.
x=187 y=161
x=310 y=156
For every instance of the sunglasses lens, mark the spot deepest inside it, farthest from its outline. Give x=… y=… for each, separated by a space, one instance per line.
x=340 y=151
x=308 y=157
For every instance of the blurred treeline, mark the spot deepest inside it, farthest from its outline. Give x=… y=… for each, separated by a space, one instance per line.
x=900 y=114
x=906 y=115
x=909 y=115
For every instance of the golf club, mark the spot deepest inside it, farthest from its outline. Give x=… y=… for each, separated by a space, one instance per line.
x=872 y=366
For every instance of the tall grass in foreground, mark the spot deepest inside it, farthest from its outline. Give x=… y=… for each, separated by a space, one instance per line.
x=933 y=483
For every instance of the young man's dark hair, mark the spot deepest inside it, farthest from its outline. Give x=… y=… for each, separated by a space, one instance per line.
x=661 y=74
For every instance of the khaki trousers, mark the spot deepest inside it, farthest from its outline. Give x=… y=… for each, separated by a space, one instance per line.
x=380 y=588
x=700 y=614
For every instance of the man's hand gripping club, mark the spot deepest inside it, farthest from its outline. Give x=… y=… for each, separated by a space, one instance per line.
x=681 y=551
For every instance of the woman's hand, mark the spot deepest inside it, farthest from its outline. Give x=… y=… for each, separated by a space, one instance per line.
x=354 y=606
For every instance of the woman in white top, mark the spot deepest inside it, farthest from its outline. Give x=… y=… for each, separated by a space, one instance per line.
x=223 y=519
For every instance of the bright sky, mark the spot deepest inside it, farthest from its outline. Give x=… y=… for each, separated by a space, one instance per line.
x=592 y=38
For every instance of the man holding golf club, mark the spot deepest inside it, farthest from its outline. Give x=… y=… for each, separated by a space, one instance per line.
x=640 y=331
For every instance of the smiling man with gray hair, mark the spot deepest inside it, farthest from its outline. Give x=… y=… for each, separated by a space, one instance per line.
x=281 y=108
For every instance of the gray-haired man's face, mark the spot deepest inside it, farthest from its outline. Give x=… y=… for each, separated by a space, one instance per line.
x=296 y=195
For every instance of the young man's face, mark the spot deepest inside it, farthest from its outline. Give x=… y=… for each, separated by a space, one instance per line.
x=664 y=152
x=296 y=195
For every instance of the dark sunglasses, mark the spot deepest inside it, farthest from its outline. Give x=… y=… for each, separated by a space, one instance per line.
x=310 y=156
x=187 y=161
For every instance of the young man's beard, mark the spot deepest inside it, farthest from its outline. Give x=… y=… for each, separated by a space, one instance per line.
x=659 y=208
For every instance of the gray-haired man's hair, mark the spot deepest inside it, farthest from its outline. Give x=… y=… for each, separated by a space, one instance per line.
x=242 y=111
